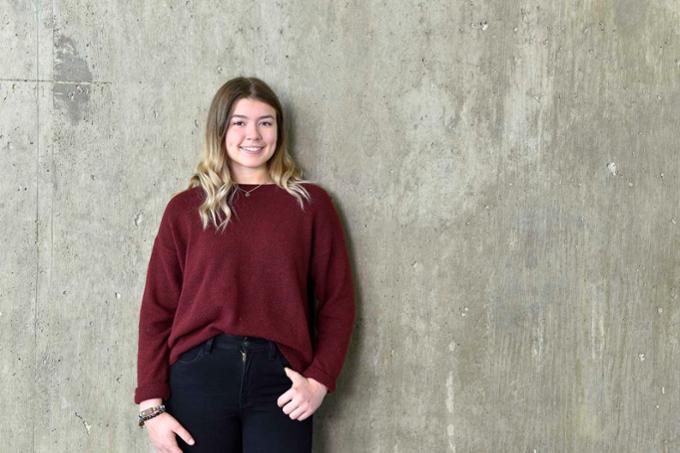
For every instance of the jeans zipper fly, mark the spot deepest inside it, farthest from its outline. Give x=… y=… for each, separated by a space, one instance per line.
x=243 y=351
x=243 y=368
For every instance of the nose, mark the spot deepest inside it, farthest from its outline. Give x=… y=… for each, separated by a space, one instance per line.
x=253 y=131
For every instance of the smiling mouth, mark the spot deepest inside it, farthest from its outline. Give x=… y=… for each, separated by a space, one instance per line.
x=252 y=149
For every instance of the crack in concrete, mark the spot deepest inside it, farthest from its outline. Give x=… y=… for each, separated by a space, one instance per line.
x=37 y=216
x=38 y=80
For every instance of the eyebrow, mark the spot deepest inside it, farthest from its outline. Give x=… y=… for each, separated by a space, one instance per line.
x=243 y=116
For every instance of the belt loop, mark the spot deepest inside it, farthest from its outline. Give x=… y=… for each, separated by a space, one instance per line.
x=272 y=350
x=209 y=344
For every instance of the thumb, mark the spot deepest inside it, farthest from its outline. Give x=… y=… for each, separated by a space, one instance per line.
x=292 y=374
x=184 y=434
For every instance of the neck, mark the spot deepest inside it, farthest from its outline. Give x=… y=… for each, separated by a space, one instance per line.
x=253 y=182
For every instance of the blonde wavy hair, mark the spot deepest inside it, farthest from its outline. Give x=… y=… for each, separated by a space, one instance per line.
x=212 y=172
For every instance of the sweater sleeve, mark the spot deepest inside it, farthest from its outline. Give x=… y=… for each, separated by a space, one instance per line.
x=159 y=301
x=334 y=290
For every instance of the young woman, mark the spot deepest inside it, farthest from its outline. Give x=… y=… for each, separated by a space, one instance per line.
x=248 y=306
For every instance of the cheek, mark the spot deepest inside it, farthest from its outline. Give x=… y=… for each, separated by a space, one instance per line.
x=271 y=137
x=232 y=139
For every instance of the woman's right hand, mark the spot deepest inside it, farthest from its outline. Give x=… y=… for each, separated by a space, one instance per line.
x=162 y=429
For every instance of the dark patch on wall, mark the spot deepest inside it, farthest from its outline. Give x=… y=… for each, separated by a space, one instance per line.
x=631 y=16
x=72 y=79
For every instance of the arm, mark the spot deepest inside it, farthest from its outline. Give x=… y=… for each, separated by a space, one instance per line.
x=331 y=274
x=157 y=311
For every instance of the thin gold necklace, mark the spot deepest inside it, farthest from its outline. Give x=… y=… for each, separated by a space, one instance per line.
x=247 y=192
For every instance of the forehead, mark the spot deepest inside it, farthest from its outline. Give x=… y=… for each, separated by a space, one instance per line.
x=252 y=108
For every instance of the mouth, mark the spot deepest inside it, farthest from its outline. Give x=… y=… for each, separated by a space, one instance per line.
x=251 y=149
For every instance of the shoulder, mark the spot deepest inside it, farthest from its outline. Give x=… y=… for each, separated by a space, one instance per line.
x=321 y=202
x=176 y=219
x=182 y=202
x=318 y=195
x=186 y=198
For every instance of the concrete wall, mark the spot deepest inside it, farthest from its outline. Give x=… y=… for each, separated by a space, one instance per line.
x=508 y=173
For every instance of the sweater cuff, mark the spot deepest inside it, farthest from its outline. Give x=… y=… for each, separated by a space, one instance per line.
x=154 y=390
x=324 y=378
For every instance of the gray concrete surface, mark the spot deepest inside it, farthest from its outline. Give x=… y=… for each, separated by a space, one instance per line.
x=507 y=172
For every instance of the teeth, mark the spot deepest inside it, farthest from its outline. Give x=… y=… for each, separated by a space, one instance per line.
x=252 y=148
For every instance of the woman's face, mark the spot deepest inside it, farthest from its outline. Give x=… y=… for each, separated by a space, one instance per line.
x=251 y=140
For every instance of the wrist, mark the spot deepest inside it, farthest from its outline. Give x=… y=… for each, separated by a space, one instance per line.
x=149 y=413
x=318 y=384
x=150 y=403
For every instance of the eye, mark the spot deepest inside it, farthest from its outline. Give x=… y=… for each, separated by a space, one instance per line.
x=267 y=123
x=238 y=123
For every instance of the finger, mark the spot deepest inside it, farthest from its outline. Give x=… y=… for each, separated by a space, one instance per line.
x=184 y=434
x=297 y=412
x=304 y=416
x=285 y=397
x=290 y=407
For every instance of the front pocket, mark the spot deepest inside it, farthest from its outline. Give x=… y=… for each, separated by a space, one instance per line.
x=282 y=359
x=191 y=355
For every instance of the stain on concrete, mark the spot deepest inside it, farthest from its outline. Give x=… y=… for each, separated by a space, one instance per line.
x=612 y=168
x=72 y=79
x=630 y=15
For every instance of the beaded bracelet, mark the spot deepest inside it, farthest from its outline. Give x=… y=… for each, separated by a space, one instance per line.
x=150 y=413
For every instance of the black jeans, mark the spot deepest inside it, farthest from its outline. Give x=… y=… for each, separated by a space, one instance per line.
x=224 y=393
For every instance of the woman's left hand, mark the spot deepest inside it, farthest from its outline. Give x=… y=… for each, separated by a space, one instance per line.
x=304 y=396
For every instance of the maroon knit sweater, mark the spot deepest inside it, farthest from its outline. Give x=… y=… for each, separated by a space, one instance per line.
x=277 y=272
